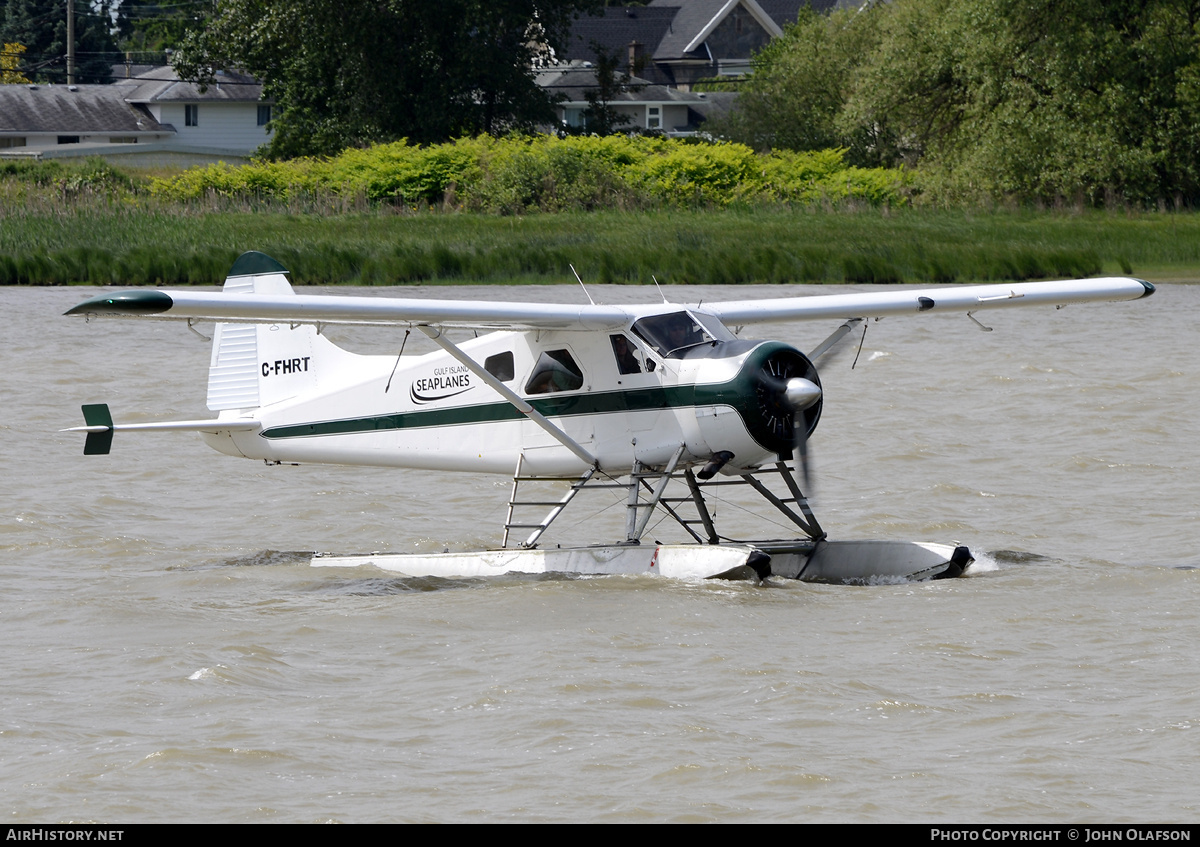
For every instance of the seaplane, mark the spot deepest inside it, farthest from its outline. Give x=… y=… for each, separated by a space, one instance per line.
x=659 y=405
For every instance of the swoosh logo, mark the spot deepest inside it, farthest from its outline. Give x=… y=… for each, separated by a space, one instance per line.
x=421 y=399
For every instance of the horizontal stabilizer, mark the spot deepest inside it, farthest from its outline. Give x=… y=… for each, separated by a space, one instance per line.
x=99 y=426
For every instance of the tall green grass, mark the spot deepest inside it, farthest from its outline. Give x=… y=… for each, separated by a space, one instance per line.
x=87 y=223
x=116 y=244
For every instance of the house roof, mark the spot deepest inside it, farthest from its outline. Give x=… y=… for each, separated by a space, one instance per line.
x=73 y=109
x=573 y=84
x=616 y=27
x=163 y=85
x=695 y=19
x=675 y=29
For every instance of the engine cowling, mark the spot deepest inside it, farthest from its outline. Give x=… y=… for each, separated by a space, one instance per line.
x=765 y=392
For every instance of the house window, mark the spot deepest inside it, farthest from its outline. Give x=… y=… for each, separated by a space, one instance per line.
x=11 y=142
x=122 y=139
x=654 y=117
x=190 y=116
x=264 y=115
x=68 y=139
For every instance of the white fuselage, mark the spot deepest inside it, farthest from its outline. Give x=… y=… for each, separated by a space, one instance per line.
x=321 y=404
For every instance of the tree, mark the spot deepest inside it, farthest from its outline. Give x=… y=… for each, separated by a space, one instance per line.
x=797 y=92
x=1085 y=100
x=1090 y=101
x=41 y=26
x=600 y=117
x=10 y=60
x=352 y=72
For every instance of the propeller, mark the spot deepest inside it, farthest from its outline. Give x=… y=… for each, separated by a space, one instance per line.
x=789 y=396
x=800 y=393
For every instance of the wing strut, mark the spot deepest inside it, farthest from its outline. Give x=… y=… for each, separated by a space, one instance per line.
x=439 y=338
x=836 y=336
x=635 y=525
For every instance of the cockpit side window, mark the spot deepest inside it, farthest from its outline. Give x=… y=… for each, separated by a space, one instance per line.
x=555 y=370
x=668 y=335
x=628 y=358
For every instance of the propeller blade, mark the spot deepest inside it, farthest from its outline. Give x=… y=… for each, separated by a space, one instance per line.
x=801 y=452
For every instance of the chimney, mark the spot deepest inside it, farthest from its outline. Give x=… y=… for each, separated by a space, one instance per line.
x=635 y=56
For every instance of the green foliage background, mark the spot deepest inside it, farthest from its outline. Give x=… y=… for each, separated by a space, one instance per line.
x=1090 y=102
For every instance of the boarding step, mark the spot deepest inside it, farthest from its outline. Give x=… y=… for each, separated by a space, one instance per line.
x=556 y=506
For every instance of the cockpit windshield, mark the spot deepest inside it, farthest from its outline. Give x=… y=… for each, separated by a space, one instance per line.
x=668 y=335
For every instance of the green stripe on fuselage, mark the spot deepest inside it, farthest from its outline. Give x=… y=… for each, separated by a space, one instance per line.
x=608 y=402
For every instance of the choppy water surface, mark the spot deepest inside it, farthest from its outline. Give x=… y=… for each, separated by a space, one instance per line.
x=170 y=655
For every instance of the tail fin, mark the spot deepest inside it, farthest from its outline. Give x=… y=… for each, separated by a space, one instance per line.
x=255 y=365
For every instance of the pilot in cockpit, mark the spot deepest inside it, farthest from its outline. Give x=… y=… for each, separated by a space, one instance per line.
x=679 y=333
x=627 y=362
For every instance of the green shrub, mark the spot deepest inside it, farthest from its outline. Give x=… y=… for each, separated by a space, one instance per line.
x=522 y=174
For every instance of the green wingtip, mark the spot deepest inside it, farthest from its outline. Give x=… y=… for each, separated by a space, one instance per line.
x=253 y=262
x=137 y=302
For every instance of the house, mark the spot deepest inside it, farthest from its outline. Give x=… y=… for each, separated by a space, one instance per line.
x=641 y=103
x=150 y=118
x=677 y=43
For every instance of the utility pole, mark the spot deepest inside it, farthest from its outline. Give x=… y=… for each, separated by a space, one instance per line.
x=70 y=42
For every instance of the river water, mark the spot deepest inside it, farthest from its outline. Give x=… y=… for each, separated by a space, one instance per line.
x=170 y=655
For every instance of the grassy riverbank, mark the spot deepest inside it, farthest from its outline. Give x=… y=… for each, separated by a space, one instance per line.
x=123 y=243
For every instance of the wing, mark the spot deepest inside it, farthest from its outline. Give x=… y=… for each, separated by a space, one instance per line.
x=324 y=308
x=257 y=290
x=960 y=298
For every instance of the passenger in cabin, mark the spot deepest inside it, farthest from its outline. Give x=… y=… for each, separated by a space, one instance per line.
x=627 y=363
x=554 y=371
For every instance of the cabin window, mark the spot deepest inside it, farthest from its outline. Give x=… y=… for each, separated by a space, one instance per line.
x=191 y=115
x=669 y=335
x=628 y=359
x=264 y=115
x=555 y=371
x=500 y=366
